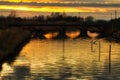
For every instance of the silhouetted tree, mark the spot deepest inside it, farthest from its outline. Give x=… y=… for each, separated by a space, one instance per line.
x=89 y=21
x=89 y=18
x=12 y=14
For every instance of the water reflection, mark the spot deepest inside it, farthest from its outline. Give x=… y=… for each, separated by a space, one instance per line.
x=93 y=35
x=51 y=35
x=43 y=60
x=73 y=34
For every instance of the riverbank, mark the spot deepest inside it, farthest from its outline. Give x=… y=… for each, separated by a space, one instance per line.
x=11 y=42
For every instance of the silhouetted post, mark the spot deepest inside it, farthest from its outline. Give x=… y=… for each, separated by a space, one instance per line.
x=115 y=14
x=99 y=50
x=111 y=16
x=110 y=57
x=92 y=46
x=110 y=48
x=63 y=41
x=79 y=14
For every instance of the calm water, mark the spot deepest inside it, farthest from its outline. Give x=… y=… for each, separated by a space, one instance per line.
x=49 y=60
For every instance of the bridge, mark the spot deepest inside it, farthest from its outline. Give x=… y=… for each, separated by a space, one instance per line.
x=38 y=29
x=47 y=25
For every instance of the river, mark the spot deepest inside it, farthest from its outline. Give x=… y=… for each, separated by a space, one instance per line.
x=68 y=60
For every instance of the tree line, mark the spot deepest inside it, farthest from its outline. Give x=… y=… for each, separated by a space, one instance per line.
x=57 y=17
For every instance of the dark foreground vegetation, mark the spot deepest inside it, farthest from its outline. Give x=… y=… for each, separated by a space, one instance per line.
x=14 y=34
x=11 y=42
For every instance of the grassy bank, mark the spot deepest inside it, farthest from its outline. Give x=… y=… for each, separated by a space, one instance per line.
x=11 y=42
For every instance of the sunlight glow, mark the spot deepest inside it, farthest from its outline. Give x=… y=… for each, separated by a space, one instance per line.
x=53 y=9
x=73 y=34
x=32 y=0
x=92 y=35
x=66 y=1
x=51 y=35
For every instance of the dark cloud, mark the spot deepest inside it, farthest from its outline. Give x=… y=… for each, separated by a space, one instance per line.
x=63 y=4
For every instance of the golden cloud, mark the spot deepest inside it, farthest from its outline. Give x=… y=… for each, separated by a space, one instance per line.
x=53 y=9
x=32 y=0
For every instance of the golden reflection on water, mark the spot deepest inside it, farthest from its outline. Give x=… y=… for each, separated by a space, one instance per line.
x=46 y=57
x=73 y=34
x=51 y=35
x=41 y=53
x=93 y=35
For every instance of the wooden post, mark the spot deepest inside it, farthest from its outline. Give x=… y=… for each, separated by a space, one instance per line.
x=63 y=41
x=99 y=50
x=110 y=58
x=92 y=46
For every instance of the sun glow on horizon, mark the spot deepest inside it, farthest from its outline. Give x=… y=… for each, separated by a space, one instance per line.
x=52 y=9
x=32 y=1
x=66 y=1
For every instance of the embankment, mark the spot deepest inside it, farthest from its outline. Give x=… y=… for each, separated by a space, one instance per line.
x=11 y=42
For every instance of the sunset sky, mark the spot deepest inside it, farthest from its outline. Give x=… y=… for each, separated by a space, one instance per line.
x=100 y=9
